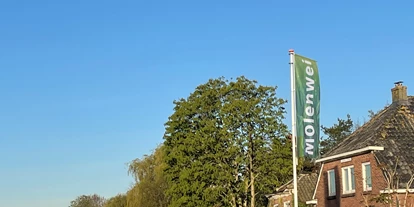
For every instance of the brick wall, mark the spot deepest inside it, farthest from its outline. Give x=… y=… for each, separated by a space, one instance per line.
x=357 y=198
x=410 y=199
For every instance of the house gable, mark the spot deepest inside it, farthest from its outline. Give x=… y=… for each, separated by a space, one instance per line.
x=382 y=146
x=393 y=129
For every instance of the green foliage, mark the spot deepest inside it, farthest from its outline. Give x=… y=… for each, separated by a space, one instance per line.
x=307 y=165
x=149 y=189
x=225 y=145
x=88 y=201
x=383 y=198
x=134 y=196
x=117 y=201
x=336 y=133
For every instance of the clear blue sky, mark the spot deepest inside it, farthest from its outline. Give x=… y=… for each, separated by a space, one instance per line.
x=86 y=86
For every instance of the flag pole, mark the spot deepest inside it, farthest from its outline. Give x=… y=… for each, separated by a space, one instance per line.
x=293 y=103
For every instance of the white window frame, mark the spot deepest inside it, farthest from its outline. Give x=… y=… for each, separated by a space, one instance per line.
x=349 y=179
x=329 y=183
x=364 y=178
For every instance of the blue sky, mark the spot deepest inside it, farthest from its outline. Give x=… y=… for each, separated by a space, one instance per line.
x=86 y=86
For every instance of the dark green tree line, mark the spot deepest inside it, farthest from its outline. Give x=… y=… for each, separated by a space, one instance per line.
x=336 y=133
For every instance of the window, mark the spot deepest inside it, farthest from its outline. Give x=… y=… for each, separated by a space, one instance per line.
x=348 y=180
x=366 y=176
x=286 y=204
x=331 y=183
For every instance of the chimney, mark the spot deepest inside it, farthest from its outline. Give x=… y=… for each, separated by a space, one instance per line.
x=399 y=93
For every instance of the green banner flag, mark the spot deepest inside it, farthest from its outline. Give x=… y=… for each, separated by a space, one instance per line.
x=307 y=106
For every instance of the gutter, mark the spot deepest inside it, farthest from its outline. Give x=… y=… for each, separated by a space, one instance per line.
x=397 y=191
x=314 y=201
x=350 y=153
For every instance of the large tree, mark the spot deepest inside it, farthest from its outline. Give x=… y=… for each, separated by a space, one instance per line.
x=150 y=184
x=225 y=145
x=88 y=201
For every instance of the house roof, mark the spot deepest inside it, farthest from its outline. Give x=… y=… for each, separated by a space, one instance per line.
x=392 y=128
x=306 y=186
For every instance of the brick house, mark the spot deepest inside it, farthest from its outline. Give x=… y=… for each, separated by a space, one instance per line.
x=376 y=161
x=283 y=195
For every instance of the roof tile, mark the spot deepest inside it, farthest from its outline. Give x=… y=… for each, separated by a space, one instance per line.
x=306 y=186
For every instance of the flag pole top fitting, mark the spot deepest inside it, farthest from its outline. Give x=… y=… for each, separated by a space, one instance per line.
x=291 y=51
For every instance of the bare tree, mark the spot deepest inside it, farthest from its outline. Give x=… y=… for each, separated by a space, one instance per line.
x=391 y=194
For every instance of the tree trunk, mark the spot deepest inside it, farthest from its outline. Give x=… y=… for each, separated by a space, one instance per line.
x=233 y=201
x=234 y=197
x=246 y=190
x=252 y=192
x=251 y=171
